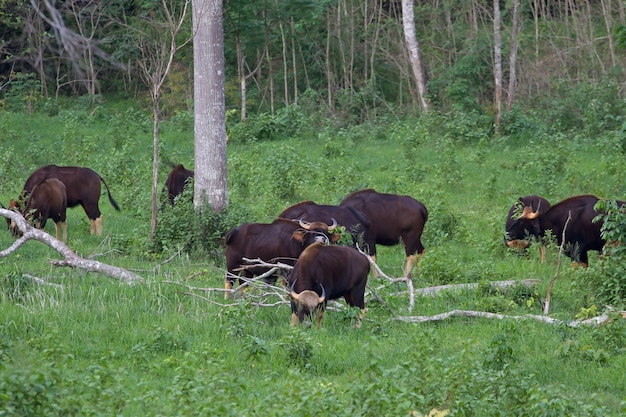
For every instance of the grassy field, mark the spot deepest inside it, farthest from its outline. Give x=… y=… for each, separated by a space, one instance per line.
x=91 y=346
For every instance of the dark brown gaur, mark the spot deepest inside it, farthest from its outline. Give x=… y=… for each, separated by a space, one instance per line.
x=524 y=206
x=393 y=218
x=582 y=234
x=82 y=187
x=47 y=200
x=176 y=181
x=338 y=271
x=355 y=222
x=280 y=241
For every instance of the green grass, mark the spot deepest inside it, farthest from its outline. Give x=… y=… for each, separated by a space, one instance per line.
x=95 y=346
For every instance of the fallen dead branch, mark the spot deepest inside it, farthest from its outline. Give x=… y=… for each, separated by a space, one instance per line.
x=41 y=281
x=433 y=291
x=481 y=314
x=407 y=279
x=267 y=291
x=71 y=259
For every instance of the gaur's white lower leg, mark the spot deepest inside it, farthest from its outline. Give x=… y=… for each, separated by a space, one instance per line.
x=410 y=260
x=99 y=226
x=375 y=273
x=360 y=318
x=63 y=226
x=228 y=286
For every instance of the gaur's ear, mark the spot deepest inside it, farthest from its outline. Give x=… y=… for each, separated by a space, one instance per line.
x=334 y=238
x=299 y=235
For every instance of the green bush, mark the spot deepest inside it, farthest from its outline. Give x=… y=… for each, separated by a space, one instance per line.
x=607 y=278
x=181 y=227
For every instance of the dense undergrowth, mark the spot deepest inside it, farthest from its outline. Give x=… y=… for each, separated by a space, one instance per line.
x=93 y=347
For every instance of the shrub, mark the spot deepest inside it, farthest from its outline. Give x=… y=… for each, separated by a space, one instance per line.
x=607 y=278
x=194 y=231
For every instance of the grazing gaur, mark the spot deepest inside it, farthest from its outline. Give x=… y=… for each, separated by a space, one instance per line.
x=280 y=241
x=47 y=200
x=82 y=186
x=176 y=181
x=392 y=218
x=355 y=222
x=325 y=273
x=581 y=233
x=533 y=202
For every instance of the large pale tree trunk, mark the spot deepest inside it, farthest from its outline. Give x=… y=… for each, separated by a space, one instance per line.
x=210 y=179
x=419 y=71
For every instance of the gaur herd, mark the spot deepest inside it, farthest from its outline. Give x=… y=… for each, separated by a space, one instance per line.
x=303 y=236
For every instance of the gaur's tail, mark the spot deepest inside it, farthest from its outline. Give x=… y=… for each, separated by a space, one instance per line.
x=113 y=203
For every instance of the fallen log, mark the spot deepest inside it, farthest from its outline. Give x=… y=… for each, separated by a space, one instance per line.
x=71 y=259
x=603 y=318
x=432 y=291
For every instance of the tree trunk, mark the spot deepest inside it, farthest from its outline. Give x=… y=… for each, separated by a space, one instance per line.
x=497 y=61
x=415 y=56
x=329 y=74
x=155 y=159
x=513 y=56
x=241 y=69
x=283 y=42
x=608 y=21
x=210 y=179
x=157 y=55
x=294 y=65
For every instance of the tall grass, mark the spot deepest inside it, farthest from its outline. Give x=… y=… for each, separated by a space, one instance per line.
x=92 y=346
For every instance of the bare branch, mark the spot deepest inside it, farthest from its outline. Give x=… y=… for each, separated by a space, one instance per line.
x=432 y=291
x=546 y=307
x=407 y=279
x=481 y=314
x=41 y=281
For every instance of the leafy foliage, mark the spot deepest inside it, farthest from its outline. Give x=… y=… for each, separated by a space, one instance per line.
x=608 y=278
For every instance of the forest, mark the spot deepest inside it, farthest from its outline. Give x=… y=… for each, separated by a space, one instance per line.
x=347 y=57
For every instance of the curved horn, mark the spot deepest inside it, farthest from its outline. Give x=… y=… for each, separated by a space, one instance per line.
x=332 y=226
x=525 y=212
x=323 y=296
x=533 y=214
x=528 y=213
x=292 y=292
x=304 y=225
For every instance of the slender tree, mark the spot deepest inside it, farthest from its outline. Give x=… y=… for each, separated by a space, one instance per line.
x=210 y=183
x=513 y=56
x=415 y=55
x=158 y=46
x=497 y=61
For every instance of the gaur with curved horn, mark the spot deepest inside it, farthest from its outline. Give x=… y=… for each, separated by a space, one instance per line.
x=355 y=222
x=308 y=300
x=280 y=241
x=570 y=221
x=340 y=271
x=522 y=209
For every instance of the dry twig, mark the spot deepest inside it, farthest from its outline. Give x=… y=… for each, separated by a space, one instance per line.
x=546 y=307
